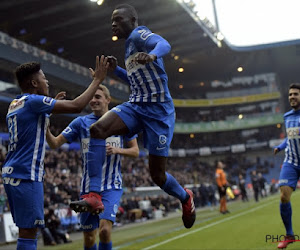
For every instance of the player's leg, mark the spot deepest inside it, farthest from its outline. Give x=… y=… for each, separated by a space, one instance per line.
x=89 y=240
x=105 y=234
x=287 y=181
x=158 y=135
x=120 y=120
x=111 y=200
x=26 y=201
x=89 y=224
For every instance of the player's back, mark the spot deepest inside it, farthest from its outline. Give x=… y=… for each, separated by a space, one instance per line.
x=27 y=121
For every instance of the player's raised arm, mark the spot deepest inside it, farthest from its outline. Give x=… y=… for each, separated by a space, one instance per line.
x=55 y=141
x=78 y=104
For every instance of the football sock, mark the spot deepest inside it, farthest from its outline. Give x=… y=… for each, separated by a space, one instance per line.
x=91 y=248
x=105 y=246
x=95 y=159
x=286 y=215
x=172 y=187
x=26 y=244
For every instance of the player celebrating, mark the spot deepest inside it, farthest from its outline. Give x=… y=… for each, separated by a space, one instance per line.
x=150 y=108
x=290 y=171
x=27 y=120
x=111 y=178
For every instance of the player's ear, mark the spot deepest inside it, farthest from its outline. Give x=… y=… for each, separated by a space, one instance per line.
x=34 y=83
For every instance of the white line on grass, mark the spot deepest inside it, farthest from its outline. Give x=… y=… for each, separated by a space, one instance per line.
x=210 y=225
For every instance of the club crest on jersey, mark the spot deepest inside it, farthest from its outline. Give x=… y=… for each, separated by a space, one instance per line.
x=162 y=139
x=47 y=100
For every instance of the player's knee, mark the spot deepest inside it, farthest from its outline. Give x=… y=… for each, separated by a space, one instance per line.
x=89 y=240
x=104 y=234
x=97 y=131
x=159 y=179
x=284 y=198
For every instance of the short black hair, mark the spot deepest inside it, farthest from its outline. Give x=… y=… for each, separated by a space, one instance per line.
x=295 y=86
x=130 y=9
x=24 y=73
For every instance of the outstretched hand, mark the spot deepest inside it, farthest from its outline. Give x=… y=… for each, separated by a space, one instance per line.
x=101 y=67
x=61 y=95
x=276 y=150
x=113 y=63
x=143 y=58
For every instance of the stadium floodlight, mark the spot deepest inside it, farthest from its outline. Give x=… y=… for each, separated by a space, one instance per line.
x=93 y=0
x=114 y=38
x=99 y=2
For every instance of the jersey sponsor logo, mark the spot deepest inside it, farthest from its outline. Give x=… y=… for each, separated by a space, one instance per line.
x=85 y=145
x=113 y=142
x=48 y=100
x=131 y=65
x=293 y=133
x=39 y=222
x=7 y=170
x=145 y=34
x=16 y=105
x=11 y=181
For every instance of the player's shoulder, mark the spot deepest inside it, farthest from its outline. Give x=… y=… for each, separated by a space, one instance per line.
x=290 y=113
x=142 y=32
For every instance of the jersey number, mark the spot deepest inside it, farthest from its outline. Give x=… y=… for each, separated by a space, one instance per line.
x=13 y=132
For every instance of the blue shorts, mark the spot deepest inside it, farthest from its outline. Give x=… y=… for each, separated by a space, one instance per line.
x=111 y=201
x=26 y=202
x=156 y=120
x=289 y=175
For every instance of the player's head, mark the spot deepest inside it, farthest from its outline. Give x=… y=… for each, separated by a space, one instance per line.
x=294 y=95
x=220 y=164
x=101 y=99
x=124 y=19
x=31 y=78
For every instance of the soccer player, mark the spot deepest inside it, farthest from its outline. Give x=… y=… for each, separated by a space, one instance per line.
x=222 y=186
x=111 y=179
x=150 y=108
x=27 y=120
x=290 y=171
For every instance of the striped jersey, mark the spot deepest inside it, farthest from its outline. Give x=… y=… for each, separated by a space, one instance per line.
x=292 y=141
x=27 y=120
x=149 y=82
x=111 y=177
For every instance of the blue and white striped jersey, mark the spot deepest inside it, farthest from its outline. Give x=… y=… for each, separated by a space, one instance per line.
x=27 y=120
x=111 y=170
x=292 y=142
x=149 y=82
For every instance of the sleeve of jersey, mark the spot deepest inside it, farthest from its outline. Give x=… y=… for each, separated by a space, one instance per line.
x=157 y=45
x=42 y=104
x=71 y=133
x=282 y=145
x=121 y=73
x=126 y=138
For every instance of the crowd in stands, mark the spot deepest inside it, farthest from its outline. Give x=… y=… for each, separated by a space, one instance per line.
x=223 y=113
x=227 y=138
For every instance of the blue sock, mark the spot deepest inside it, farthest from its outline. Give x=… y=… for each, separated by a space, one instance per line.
x=172 y=187
x=26 y=244
x=95 y=159
x=286 y=215
x=105 y=246
x=91 y=248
